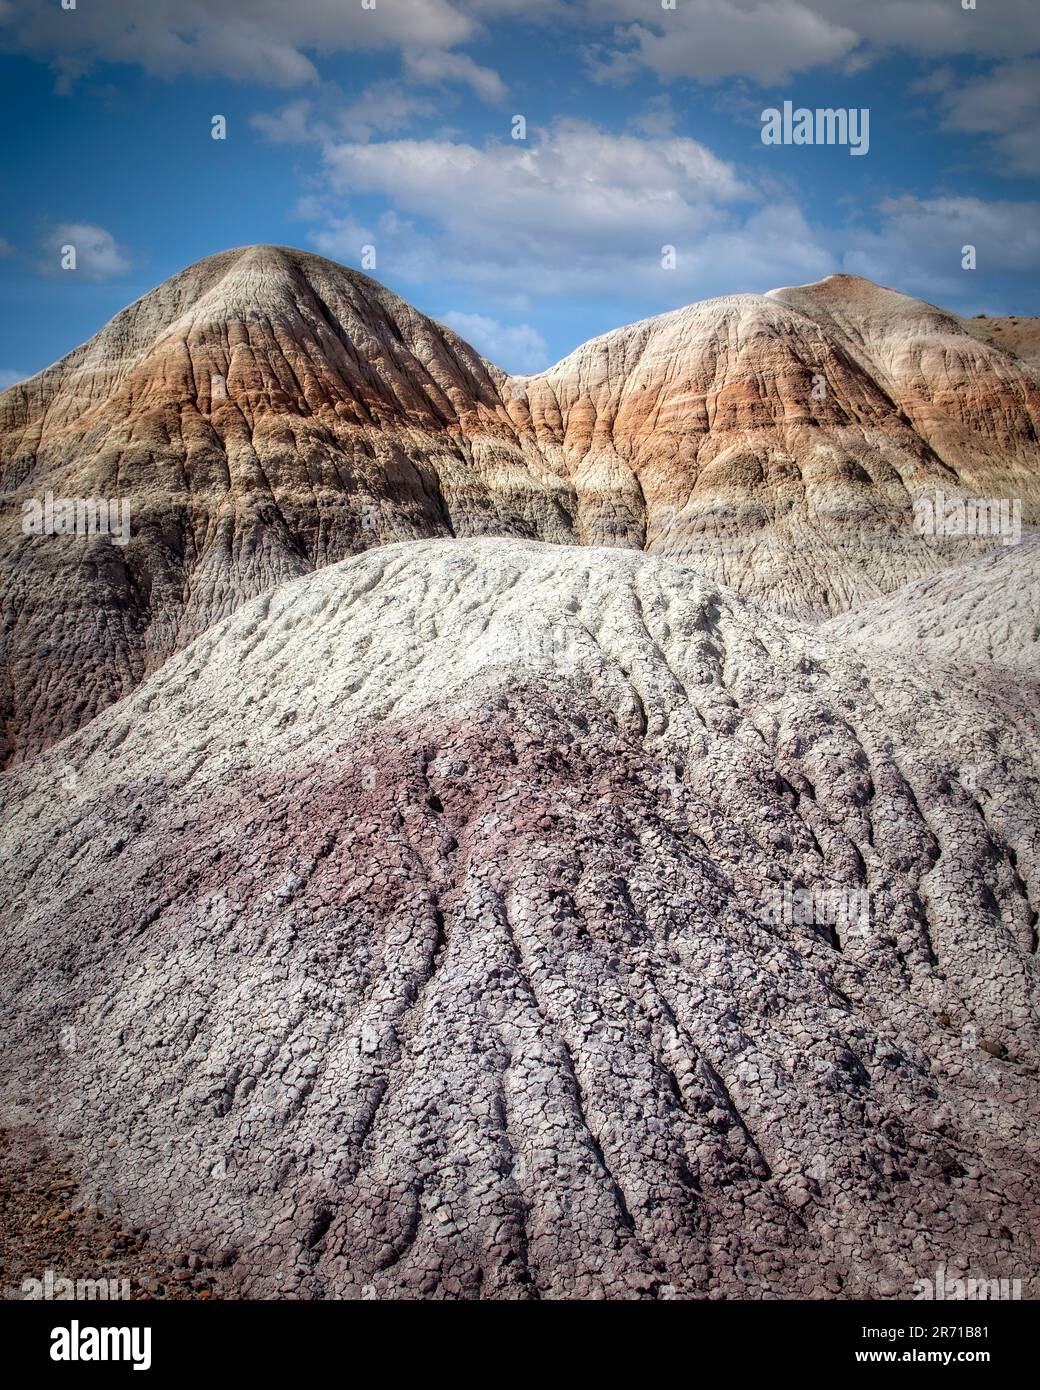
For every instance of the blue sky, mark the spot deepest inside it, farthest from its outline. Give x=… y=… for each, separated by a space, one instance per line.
x=392 y=127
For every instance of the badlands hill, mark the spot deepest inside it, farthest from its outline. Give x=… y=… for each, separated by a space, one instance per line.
x=1020 y=335
x=267 y=412
x=982 y=616
x=417 y=929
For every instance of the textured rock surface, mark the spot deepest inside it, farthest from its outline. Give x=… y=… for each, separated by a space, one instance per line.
x=44 y=1226
x=1020 y=334
x=267 y=412
x=984 y=615
x=698 y=433
x=264 y=412
x=975 y=403
x=410 y=928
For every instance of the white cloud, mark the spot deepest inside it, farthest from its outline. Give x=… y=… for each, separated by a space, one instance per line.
x=276 y=41
x=403 y=253
x=437 y=65
x=10 y=377
x=657 y=117
x=710 y=39
x=933 y=27
x=575 y=188
x=938 y=80
x=98 y=255
x=517 y=348
x=341 y=238
x=917 y=246
x=381 y=109
x=290 y=125
x=1004 y=104
x=775 y=245
x=579 y=211
x=260 y=40
x=771 y=39
x=582 y=212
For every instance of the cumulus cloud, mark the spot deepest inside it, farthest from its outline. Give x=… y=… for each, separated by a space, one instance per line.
x=259 y=40
x=656 y=118
x=437 y=65
x=404 y=253
x=575 y=187
x=382 y=108
x=290 y=125
x=583 y=212
x=98 y=255
x=579 y=211
x=275 y=42
x=933 y=27
x=917 y=244
x=1003 y=104
x=711 y=39
x=772 y=39
x=517 y=348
